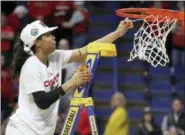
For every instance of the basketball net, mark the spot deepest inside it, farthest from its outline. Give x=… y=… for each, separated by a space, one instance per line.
x=149 y=40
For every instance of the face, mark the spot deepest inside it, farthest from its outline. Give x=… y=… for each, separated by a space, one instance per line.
x=147 y=117
x=115 y=101
x=63 y=44
x=173 y=131
x=177 y=105
x=21 y=15
x=46 y=44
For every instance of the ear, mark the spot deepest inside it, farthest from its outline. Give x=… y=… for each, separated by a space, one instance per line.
x=37 y=43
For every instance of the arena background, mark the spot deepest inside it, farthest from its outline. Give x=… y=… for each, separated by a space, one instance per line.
x=142 y=84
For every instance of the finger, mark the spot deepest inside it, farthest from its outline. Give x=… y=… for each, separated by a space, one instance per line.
x=83 y=72
x=126 y=23
x=90 y=78
x=84 y=75
x=83 y=82
x=122 y=22
x=84 y=78
x=131 y=25
x=87 y=74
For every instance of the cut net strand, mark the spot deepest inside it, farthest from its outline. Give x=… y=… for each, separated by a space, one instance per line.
x=149 y=40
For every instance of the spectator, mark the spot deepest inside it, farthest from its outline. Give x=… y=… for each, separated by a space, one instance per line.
x=148 y=125
x=118 y=123
x=173 y=131
x=8 y=102
x=41 y=10
x=14 y=18
x=7 y=34
x=63 y=44
x=7 y=94
x=62 y=12
x=79 y=22
x=175 y=119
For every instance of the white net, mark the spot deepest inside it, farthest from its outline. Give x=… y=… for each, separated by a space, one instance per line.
x=149 y=40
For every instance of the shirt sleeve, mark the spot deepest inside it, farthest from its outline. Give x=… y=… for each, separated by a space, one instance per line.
x=77 y=17
x=31 y=80
x=63 y=56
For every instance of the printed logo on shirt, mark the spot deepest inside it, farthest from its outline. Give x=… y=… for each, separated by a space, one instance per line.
x=52 y=81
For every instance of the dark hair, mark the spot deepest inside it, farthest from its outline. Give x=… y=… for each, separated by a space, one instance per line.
x=19 y=58
x=178 y=98
x=152 y=121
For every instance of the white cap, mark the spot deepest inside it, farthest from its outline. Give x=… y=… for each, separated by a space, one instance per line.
x=31 y=32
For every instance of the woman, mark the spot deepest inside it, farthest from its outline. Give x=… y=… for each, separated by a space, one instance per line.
x=118 y=123
x=148 y=125
x=39 y=66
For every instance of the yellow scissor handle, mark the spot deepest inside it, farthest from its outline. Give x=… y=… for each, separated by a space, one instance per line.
x=105 y=49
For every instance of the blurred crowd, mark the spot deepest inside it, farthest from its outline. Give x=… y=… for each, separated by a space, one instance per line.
x=173 y=123
x=73 y=20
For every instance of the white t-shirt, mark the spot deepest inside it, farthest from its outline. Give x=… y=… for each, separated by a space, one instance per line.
x=35 y=76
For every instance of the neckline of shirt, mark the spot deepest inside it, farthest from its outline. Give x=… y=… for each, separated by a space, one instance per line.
x=46 y=66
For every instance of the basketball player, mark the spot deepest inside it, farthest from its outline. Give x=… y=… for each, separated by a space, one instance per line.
x=38 y=66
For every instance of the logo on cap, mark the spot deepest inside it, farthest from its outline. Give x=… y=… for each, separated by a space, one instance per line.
x=34 y=32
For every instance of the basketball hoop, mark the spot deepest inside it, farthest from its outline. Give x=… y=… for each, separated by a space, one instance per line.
x=149 y=40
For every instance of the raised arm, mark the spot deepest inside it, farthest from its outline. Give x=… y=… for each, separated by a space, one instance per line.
x=120 y=31
x=80 y=54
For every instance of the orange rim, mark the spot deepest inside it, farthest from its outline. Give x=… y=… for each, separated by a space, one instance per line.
x=144 y=12
x=131 y=13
